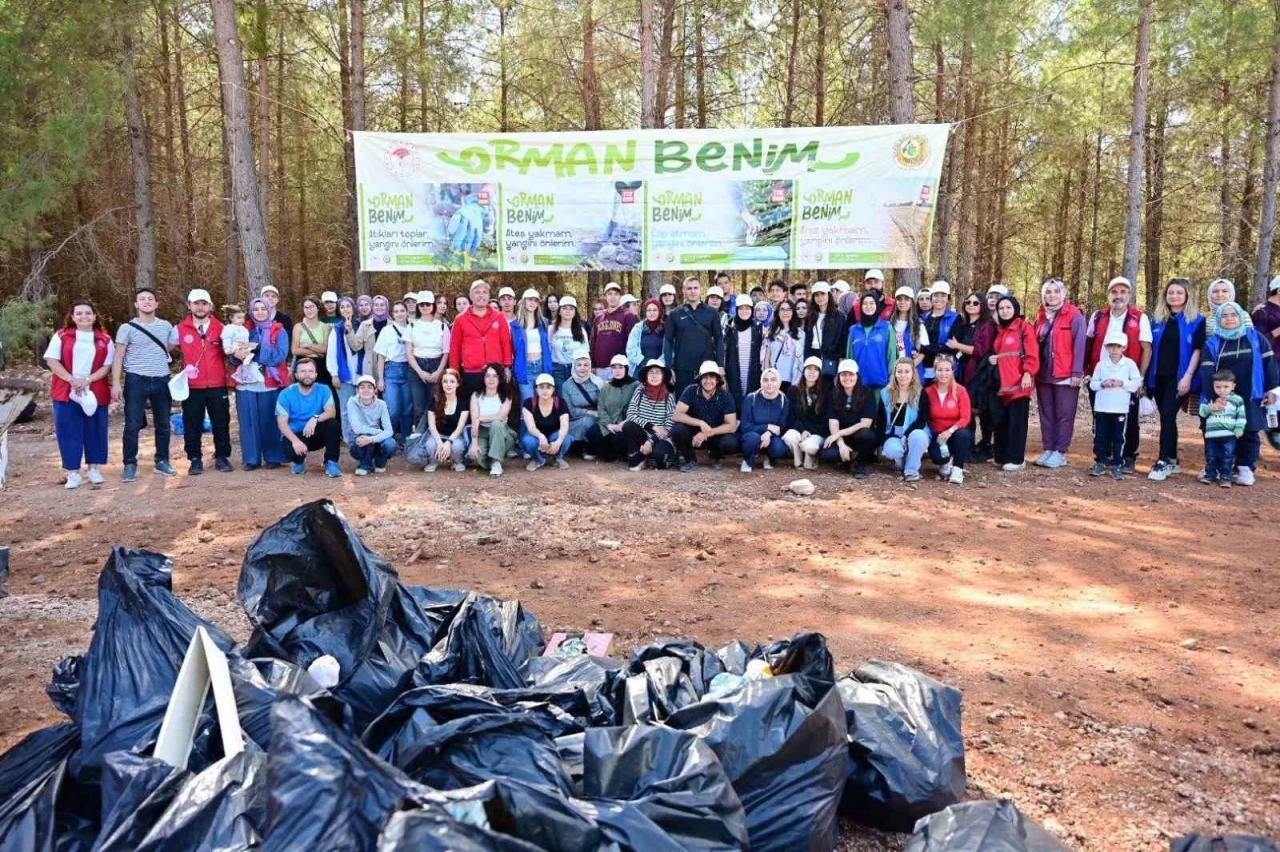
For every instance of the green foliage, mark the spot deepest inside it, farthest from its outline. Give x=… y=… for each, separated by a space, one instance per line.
x=23 y=325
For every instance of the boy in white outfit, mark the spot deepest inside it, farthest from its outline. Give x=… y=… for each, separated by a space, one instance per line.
x=1115 y=380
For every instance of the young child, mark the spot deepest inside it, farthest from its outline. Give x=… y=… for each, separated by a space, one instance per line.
x=1115 y=380
x=234 y=334
x=1224 y=424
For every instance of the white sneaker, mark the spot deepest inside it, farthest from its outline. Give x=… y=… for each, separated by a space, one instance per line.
x=95 y=477
x=1045 y=460
x=767 y=464
x=957 y=476
x=1010 y=467
x=588 y=457
x=73 y=480
x=459 y=468
x=745 y=468
x=1244 y=476
x=810 y=462
x=798 y=462
x=1160 y=471
x=1174 y=467
x=431 y=468
x=532 y=466
x=636 y=467
x=495 y=469
x=1057 y=460
x=561 y=464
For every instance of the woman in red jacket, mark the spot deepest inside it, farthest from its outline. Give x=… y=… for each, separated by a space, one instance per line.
x=1016 y=355
x=950 y=414
x=80 y=356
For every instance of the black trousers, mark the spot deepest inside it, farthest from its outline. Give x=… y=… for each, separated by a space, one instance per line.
x=862 y=442
x=1169 y=403
x=472 y=383
x=1011 y=432
x=719 y=446
x=1108 y=438
x=960 y=445
x=636 y=437
x=327 y=436
x=217 y=404
x=684 y=378
x=1131 y=429
x=611 y=446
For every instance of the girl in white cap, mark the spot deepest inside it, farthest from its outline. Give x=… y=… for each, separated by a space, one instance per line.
x=546 y=426
x=530 y=343
x=667 y=297
x=807 y=425
x=568 y=332
x=851 y=417
x=426 y=349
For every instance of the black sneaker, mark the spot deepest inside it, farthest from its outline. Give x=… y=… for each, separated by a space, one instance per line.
x=859 y=471
x=251 y=467
x=716 y=464
x=196 y=468
x=163 y=467
x=687 y=467
x=222 y=465
x=1098 y=469
x=1130 y=467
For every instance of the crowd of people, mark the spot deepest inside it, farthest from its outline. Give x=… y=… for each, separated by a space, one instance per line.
x=817 y=372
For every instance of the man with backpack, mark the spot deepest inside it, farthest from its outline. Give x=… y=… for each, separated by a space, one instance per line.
x=140 y=377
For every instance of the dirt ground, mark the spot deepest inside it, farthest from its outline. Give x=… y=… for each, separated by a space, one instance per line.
x=1117 y=643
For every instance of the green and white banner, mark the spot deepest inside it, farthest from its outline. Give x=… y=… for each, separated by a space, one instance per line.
x=809 y=198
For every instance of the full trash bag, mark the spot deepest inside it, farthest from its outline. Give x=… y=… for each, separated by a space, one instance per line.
x=434 y=830
x=65 y=685
x=31 y=779
x=258 y=683
x=989 y=826
x=136 y=791
x=487 y=642
x=906 y=749
x=588 y=688
x=804 y=654
x=1222 y=843
x=665 y=676
x=782 y=744
x=221 y=809
x=127 y=675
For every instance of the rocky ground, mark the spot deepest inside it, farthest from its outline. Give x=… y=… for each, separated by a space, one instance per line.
x=1117 y=643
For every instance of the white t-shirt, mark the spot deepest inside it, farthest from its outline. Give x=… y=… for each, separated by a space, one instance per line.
x=532 y=345
x=563 y=346
x=81 y=354
x=390 y=343
x=430 y=338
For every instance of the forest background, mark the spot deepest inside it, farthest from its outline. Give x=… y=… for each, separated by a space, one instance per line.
x=185 y=143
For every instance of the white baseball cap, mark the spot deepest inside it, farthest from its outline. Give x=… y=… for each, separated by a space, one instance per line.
x=812 y=361
x=581 y=352
x=506 y=291
x=940 y=287
x=613 y=285
x=199 y=295
x=410 y=295
x=328 y=296
x=820 y=287
x=426 y=296
x=715 y=291
x=1116 y=337
x=366 y=378
x=840 y=286
x=904 y=290
x=531 y=294
x=873 y=273
x=1120 y=281
x=619 y=361
x=1274 y=285
x=568 y=300
x=847 y=365
x=544 y=379
x=270 y=288
x=628 y=299
x=998 y=289
x=479 y=282
x=709 y=367
x=667 y=288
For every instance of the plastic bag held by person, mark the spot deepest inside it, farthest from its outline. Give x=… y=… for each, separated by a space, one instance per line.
x=989 y=826
x=906 y=749
x=1222 y=843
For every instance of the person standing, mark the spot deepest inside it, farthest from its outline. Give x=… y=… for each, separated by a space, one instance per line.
x=705 y=416
x=610 y=331
x=345 y=357
x=1017 y=360
x=873 y=282
x=1137 y=328
x=568 y=335
x=647 y=338
x=1115 y=378
x=426 y=349
x=80 y=355
x=1224 y=423
x=256 y=401
x=330 y=301
x=824 y=332
x=271 y=296
x=1060 y=330
x=1266 y=317
x=140 y=377
x=765 y=414
x=1177 y=341
x=742 y=345
x=529 y=343
x=783 y=345
x=393 y=370
x=307 y=420
x=938 y=322
x=667 y=298
x=693 y=336
x=872 y=343
x=310 y=339
x=479 y=337
x=373 y=440
x=506 y=304
x=199 y=338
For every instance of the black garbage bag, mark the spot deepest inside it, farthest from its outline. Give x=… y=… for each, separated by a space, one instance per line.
x=782 y=744
x=310 y=587
x=434 y=830
x=906 y=749
x=804 y=654
x=65 y=685
x=672 y=779
x=487 y=642
x=734 y=657
x=258 y=683
x=221 y=809
x=430 y=706
x=31 y=778
x=136 y=791
x=665 y=676
x=588 y=688
x=1222 y=843
x=139 y=641
x=990 y=826
x=327 y=792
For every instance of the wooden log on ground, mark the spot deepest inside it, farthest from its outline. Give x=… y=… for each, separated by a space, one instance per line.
x=12 y=404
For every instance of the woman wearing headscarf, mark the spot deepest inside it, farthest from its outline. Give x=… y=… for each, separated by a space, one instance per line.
x=1016 y=356
x=742 y=344
x=1221 y=291
x=1060 y=329
x=256 y=403
x=645 y=343
x=1242 y=350
x=581 y=394
x=615 y=398
x=851 y=415
x=783 y=345
x=824 y=330
x=530 y=343
x=872 y=343
x=649 y=415
x=80 y=356
x=764 y=418
x=807 y=426
x=370 y=329
x=345 y=358
x=1177 y=341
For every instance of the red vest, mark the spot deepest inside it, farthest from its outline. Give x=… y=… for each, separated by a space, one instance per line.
x=60 y=390
x=1132 y=328
x=1060 y=342
x=205 y=354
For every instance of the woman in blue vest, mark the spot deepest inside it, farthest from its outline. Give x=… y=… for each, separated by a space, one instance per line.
x=872 y=343
x=530 y=344
x=646 y=340
x=1177 y=341
x=256 y=402
x=1243 y=351
x=345 y=358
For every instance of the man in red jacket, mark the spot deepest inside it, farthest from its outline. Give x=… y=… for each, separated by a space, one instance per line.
x=1137 y=330
x=199 y=338
x=479 y=336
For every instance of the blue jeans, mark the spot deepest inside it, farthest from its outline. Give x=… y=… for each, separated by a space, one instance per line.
x=560 y=372
x=259 y=432
x=141 y=393
x=373 y=455
x=751 y=447
x=1220 y=457
x=80 y=437
x=344 y=392
x=529 y=445
x=908 y=453
x=531 y=372
x=399 y=398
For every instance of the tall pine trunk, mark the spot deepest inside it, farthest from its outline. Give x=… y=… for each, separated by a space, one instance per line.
x=244 y=179
x=144 y=219
x=789 y=107
x=902 y=107
x=184 y=143
x=1155 y=201
x=1137 y=145
x=648 y=106
x=1270 y=173
x=357 y=123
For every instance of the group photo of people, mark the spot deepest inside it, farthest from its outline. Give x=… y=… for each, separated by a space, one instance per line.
x=816 y=374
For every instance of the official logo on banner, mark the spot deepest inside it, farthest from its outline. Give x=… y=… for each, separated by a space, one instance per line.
x=911 y=152
x=402 y=161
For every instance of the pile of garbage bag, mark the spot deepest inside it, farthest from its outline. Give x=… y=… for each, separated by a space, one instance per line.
x=374 y=715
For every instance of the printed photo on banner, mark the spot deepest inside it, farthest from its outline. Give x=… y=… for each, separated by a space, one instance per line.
x=464 y=218
x=722 y=223
x=548 y=224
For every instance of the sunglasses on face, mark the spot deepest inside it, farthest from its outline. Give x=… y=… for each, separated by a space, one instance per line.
x=973 y=302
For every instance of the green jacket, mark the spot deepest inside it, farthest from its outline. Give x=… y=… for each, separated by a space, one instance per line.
x=613 y=403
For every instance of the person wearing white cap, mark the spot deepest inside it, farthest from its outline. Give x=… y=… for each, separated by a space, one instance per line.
x=507 y=304
x=330 y=301
x=581 y=395
x=1115 y=379
x=764 y=418
x=479 y=337
x=271 y=296
x=693 y=336
x=80 y=356
x=140 y=378
x=610 y=331
x=843 y=296
x=1137 y=330
x=615 y=396
x=410 y=302
x=715 y=299
x=667 y=296
x=706 y=416
x=939 y=322
x=872 y=282
x=199 y=338
x=426 y=349
x=807 y=424
x=1266 y=317
x=530 y=343
x=631 y=303
x=908 y=331
x=368 y=422
x=851 y=417
x=546 y=426
x=824 y=330
x=567 y=334
x=994 y=292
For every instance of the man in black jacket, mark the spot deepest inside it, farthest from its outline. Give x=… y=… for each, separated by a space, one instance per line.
x=693 y=336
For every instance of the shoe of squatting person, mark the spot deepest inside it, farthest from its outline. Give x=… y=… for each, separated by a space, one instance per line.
x=767 y=464
x=561 y=464
x=332 y=470
x=957 y=476
x=130 y=473
x=585 y=457
x=363 y=471
x=298 y=468
x=495 y=469
x=74 y=481
x=382 y=469
x=945 y=470
x=745 y=467
x=1160 y=471
x=1244 y=476
x=94 y=476
x=859 y=471
x=1117 y=473
x=716 y=464
x=532 y=466
x=915 y=477
x=1011 y=467
x=431 y=468
x=687 y=467
x=635 y=467
x=1098 y=469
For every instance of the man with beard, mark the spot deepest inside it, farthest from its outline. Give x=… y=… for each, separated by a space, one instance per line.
x=1137 y=331
x=306 y=415
x=199 y=338
x=140 y=377
x=693 y=336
